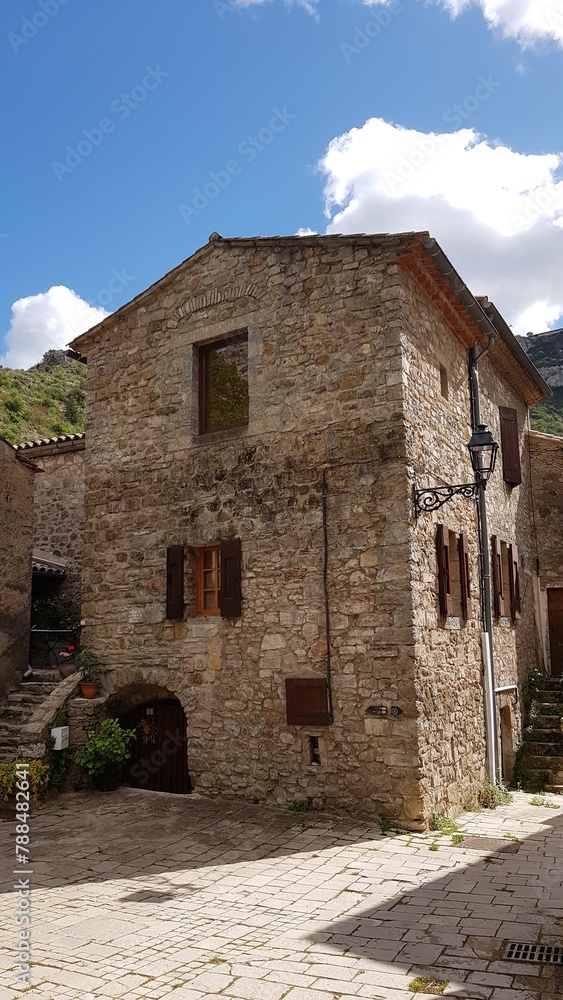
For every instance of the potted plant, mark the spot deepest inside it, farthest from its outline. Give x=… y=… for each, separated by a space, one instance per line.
x=104 y=753
x=90 y=670
x=67 y=661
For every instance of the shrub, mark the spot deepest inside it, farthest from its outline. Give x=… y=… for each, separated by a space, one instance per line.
x=109 y=745
x=38 y=777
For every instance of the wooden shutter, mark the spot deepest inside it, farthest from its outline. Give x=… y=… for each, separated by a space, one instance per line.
x=230 y=597
x=514 y=581
x=444 y=578
x=498 y=597
x=510 y=444
x=306 y=701
x=175 y=582
x=464 y=576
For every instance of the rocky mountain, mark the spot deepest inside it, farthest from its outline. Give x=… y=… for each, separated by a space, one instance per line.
x=42 y=401
x=546 y=352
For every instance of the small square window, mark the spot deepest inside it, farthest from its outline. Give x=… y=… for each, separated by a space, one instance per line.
x=223 y=384
x=208 y=580
x=443 y=382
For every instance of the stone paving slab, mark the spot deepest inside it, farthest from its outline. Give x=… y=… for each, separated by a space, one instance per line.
x=150 y=896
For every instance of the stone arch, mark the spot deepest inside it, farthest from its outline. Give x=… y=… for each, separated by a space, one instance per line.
x=148 y=701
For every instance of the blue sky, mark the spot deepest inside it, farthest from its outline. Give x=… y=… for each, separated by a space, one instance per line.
x=131 y=130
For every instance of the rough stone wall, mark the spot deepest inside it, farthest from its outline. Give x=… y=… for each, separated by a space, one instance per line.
x=448 y=650
x=546 y=456
x=59 y=510
x=325 y=389
x=16 y=535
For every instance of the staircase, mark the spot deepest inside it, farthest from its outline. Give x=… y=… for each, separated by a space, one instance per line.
x=544 y=739
x=16 y=710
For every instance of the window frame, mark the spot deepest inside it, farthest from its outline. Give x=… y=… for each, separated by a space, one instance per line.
x=203 y=351
x=201 y=590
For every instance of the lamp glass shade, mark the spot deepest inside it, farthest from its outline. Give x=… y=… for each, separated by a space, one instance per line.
x=483 y=451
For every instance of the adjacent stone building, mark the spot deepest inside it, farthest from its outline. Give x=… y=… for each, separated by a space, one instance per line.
x=59 y=513
x=254 y=575
x=16 y=541
x=546 y=457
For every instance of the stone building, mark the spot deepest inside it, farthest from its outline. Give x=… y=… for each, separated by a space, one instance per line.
x=59 y=513
x=546 y=456
x=254 y=575
x=16 y=541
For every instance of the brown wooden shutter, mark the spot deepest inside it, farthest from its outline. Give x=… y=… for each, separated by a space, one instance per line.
x=175 y=582
x=306 y=701
x=444 y=578
x=514 y=581
x=498 y=597
x=464 y=576
x=230 y=598
x=510 y=444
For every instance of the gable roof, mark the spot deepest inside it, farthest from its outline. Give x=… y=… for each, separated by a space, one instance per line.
x=420 y=255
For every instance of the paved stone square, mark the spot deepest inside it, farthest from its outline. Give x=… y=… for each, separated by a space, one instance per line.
x=145 y=895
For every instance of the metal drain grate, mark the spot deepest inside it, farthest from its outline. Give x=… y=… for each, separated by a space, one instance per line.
x=518 y=952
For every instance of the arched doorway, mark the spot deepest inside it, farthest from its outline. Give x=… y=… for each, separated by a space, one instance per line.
x=159 y=759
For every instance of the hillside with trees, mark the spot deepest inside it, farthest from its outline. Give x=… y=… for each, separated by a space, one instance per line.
x=43 y=401
x=546 y=352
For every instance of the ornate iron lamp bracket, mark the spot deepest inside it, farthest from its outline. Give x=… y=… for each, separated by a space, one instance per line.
x=426 y=501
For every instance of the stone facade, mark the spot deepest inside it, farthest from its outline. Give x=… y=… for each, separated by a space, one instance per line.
x=59 y=505
x=16 y=538
x=546 y=461
x=345 y=343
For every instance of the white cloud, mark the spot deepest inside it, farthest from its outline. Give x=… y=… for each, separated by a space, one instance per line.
x=496 y=213
x=45 y=321
x=528 y=21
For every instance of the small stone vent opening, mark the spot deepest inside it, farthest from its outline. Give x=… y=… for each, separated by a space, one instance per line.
x=551 y=954
x=314 y=750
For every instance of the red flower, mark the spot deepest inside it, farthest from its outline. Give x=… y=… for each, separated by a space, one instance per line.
x=70 y=649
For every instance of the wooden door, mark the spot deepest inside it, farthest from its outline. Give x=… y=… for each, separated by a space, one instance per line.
x=555 y=617
x=159 y=761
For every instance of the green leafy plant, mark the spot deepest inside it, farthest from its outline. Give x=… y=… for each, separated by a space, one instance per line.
x=443 y=824
x=37 y=775
x=58 y=760
x=541 y=800
x=88 y=665
x=457 y=839
x=109 y=745
x=428 y=984
x=492 y=796
x=300 y=805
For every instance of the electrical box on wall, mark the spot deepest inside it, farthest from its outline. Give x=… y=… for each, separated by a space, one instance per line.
x=60 y=736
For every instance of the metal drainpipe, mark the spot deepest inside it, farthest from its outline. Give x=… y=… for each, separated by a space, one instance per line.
x=486 y=590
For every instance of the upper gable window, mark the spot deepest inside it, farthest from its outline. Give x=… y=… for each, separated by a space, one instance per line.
x=223 y=384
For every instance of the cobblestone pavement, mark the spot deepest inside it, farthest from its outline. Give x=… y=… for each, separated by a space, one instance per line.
x=142 y=895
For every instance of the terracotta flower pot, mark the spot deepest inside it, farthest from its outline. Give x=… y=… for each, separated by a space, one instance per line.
x=89 y=689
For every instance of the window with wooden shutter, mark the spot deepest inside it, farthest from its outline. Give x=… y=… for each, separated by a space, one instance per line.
x=306 y=701
x=230 y=598
x=208 y=563
x=510 y=445
x=464 y=576
x=444 y=576
x=175 y=582
x=514 y=582
x=498 y=595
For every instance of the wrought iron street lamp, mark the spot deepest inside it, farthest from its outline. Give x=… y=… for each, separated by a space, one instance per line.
x=483 y=452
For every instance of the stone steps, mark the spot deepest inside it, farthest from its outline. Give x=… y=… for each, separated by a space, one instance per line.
x=544 y=739
x=17 y=709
